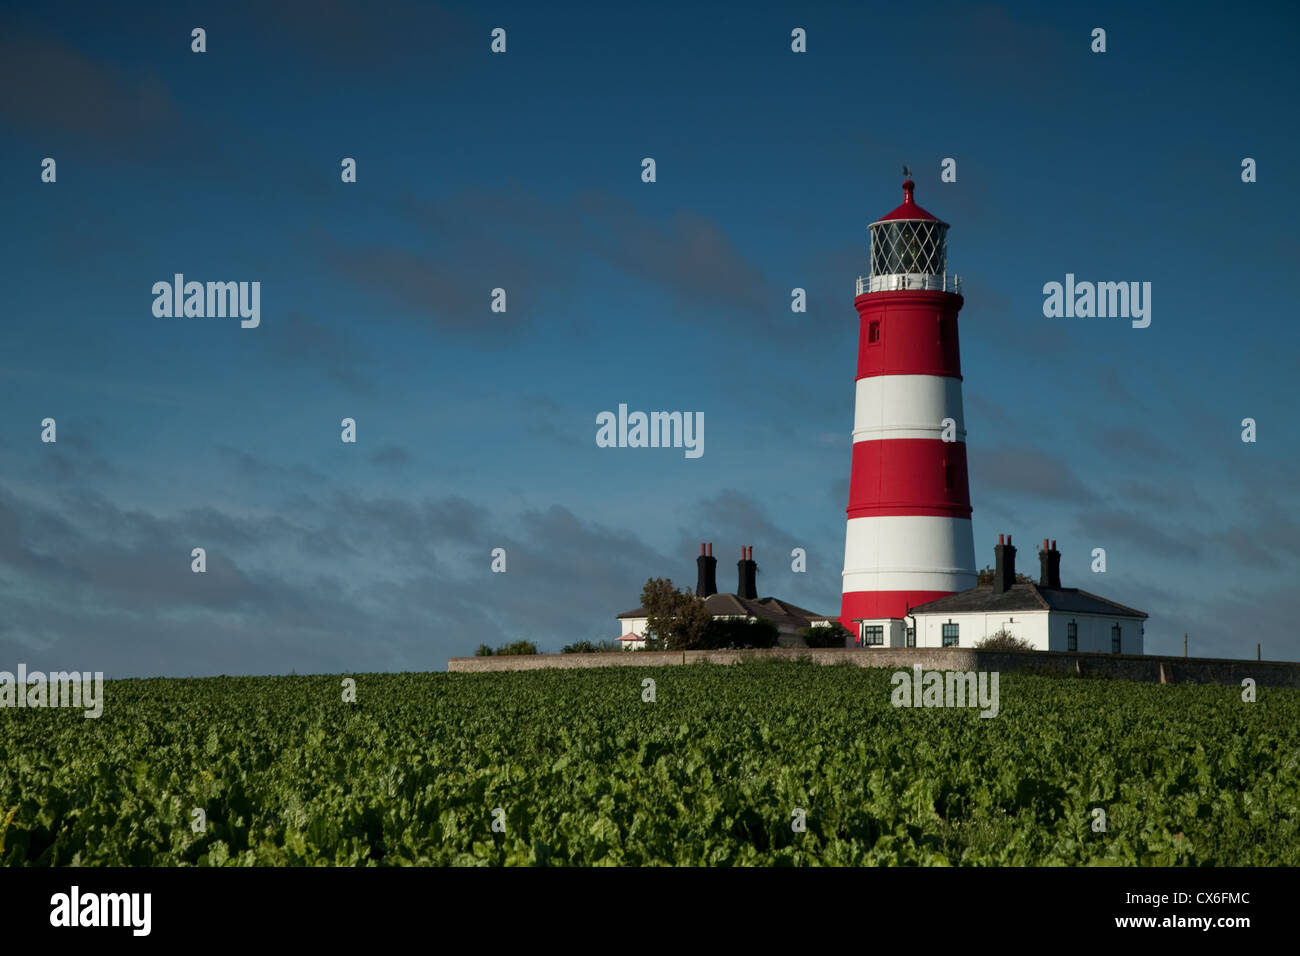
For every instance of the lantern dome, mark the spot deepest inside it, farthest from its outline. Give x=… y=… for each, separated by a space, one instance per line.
x=909 y=209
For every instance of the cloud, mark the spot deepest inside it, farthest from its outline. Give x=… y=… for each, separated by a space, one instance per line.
x=1130 y=442
x=839 y=491
x=1013 y=471
x=49 y=88
x=75 y=458
x=1108 y=525
x=732 y=515
x=339 y=581
x=1227 y=624
x=391 y=456
x=352 y=40
x=1015 y=328
x=312 y=344
x=993 y=414
x=259 y=470
x=1273 y=542
x=691 y=255
x=732 y=519
x=476 y=241
x=1168 y=497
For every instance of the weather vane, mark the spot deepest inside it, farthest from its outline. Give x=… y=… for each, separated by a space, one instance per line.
x=907 y=173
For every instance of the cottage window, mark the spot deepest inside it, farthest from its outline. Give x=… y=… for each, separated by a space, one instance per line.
x=1114 y=639
x=1072 y=636
x=950 y=634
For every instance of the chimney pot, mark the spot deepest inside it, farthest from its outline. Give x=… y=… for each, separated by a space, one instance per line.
x=702 y=551
x=1002 y=539
x=1045 y=544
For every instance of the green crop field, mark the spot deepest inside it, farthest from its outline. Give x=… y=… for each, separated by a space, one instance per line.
x=575 y=768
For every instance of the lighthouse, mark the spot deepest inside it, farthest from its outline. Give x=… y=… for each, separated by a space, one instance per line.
x=908 y=539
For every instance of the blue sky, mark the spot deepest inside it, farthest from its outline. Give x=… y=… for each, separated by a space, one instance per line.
x=476 y=429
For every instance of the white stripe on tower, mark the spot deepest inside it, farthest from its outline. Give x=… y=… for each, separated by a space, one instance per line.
x=899 y=554
x=907 y=406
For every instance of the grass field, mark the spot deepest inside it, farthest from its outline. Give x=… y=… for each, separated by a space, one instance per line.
x=582 y=771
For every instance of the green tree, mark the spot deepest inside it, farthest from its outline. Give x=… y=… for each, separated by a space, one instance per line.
x=483 y=651
x=987 y=573
x=677 y=620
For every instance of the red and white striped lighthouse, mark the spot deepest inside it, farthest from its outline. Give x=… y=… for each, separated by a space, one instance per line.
x=909 y=516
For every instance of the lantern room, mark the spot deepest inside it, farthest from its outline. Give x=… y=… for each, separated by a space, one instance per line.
x=909 y=250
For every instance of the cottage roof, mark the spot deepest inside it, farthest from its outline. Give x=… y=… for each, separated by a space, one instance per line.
x=1026 y=597
x=767 y=609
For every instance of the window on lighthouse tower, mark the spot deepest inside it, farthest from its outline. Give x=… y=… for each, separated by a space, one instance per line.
x=873 y=333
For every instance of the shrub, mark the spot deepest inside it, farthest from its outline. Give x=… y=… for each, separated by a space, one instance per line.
x=1003 y=640
x=518 y=647
x=483 y=651
x=837 y=635
x=579 y=647
x=729 y=633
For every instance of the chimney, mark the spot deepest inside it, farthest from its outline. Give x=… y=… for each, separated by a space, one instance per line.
x=706 y=581
x=746 y=582
x=1049 y=560
x=1005 y=574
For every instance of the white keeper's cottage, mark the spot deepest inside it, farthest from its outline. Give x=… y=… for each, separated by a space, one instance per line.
x=1048 y=616
x=745 y=604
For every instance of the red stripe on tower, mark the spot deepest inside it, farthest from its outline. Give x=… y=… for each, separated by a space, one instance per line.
x=908 y=538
